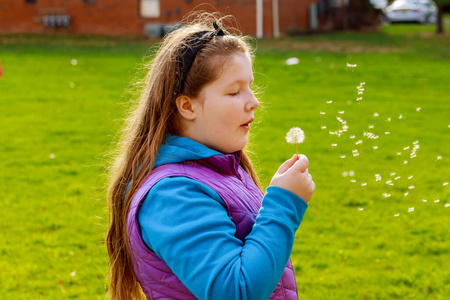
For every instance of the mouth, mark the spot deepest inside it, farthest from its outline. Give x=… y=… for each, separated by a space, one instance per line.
x=247 y=125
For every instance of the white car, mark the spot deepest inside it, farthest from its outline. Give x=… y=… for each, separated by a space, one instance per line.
x=422 y=11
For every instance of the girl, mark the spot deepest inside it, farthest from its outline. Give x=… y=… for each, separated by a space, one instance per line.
x=188 y=219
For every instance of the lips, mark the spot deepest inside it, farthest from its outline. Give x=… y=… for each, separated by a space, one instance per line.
x=247 y=125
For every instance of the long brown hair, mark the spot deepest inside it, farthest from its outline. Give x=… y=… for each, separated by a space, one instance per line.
x=143 y=133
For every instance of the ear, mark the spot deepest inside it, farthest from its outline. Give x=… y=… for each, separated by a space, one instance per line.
x=185 y=107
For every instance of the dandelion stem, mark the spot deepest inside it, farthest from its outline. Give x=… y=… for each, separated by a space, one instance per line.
x=296 y=149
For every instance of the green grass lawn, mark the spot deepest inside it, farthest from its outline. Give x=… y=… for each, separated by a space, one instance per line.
x=62 y=100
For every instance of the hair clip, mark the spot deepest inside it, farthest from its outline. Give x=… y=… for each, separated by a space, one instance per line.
x=219 y=30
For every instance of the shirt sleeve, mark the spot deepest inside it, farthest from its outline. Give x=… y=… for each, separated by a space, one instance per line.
x=187 y=225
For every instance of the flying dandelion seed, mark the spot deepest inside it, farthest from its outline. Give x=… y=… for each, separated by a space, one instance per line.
x=73 y=274
x=358 y=142
x=377 y=177
x=351 y=173
x=370 y=135
x=364 y=184
x=359 y=99
x=353 y=180
x=389 y=182
x=295 y=136
x=345 y=173
x=424 y=200
x=351 y=66
x=405 y=162
x=445 y=184
x=439 y=158
x=387 y=133
x=436 y=201
x=375 y=115
x=447 y=205
x=418 y=109
x=74 y=62
x=399 y=153
x=342 y=156
x=386 y=195
x=375 y=147
x=410 y=209
x=411 y=187
x=410 y=177
x=388 y=119
x=351 y=137
x=323 y=127
x=396 y=215
x=322 y=112
x=330 y=101
x=371 y=126
x=52 y=156
x=406 y=194
x=397 y=178
x=392 y=174
x=400 y=117
x=360 y=208
x=72 y=85
x=292 y=61
x=360 y=92
x=341 y=112
x=333 y=145
x=355 y=152
x=406 y=148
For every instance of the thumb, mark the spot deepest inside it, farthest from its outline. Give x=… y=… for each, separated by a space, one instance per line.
x=287 y=164
x=302 y=163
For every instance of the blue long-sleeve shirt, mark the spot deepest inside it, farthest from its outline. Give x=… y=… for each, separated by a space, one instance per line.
x=186 y=223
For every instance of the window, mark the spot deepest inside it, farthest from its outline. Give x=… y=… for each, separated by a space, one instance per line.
x=149 y=8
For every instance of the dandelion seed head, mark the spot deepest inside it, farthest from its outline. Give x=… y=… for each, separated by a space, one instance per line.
x=345 y=173
x=351 y=173
x=295 y=136
x=74 y=62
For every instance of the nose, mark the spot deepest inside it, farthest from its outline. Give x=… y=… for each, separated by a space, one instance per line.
x=252 y=102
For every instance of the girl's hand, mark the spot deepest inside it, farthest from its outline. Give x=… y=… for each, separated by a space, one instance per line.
x=293 y=176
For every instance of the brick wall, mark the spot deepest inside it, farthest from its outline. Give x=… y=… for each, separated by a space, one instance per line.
x=122 y=17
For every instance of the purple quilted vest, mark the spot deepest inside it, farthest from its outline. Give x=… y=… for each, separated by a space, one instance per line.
x=243 y=201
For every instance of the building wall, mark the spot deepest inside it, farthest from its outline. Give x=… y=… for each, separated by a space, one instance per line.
x=122 y=17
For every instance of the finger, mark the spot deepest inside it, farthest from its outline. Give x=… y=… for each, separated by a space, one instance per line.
x=287 y=164
x=301 y=164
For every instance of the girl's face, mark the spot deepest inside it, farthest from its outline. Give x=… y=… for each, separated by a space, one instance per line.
x=224 y=108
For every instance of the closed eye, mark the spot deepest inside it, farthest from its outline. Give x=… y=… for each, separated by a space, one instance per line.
x=234 y=94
